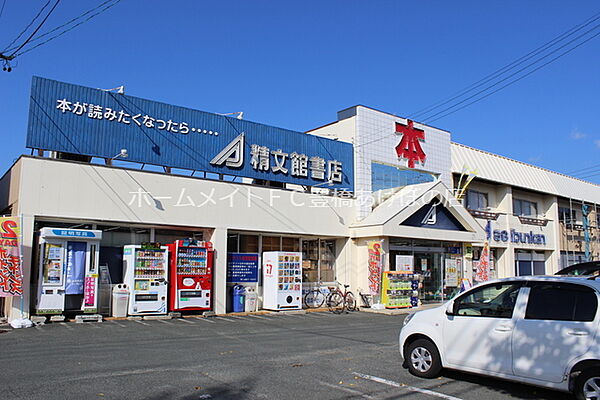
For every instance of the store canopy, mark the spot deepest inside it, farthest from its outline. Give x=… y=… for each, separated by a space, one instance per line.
x=422 y=211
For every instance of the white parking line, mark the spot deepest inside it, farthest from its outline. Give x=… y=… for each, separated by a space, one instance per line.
x=140 y=322
x=164 y=322
x=347 y=390
x=117 y=323
x=204 y=319
x=224 y=319
x=236 y=317
x=65 y=325
x=260 y=317
x=186 y=321
x=409 y=388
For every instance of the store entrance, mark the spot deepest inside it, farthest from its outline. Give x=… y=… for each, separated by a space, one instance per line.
x=429 y=259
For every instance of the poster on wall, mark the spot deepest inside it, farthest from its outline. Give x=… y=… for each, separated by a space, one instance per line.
x=405 y=264
x=242 y=267
x=11 y=278
x=452 y=266
x=375 y=266
x=482 y=267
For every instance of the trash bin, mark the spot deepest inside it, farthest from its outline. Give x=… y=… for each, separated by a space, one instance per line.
x=120 y=300
x=251 y=300
x=238 y=298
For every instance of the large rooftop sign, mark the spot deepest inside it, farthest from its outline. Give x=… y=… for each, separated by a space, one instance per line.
x=76 y=119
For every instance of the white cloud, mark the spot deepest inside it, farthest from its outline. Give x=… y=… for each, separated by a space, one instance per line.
x=576 y=135
x=597 y=142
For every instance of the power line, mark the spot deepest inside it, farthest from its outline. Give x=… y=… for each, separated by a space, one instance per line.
x=35 y=31
x=518 y=79
x=507 y=67
x=70 y=22
x=2 y=9
x=27 y=27
x=580 y=170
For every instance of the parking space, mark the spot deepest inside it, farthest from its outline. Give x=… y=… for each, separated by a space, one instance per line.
x=270 y=356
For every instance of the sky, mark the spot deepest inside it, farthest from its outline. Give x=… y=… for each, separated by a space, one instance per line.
x=295 y=64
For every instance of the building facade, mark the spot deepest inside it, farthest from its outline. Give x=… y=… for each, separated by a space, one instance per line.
x=370 y=180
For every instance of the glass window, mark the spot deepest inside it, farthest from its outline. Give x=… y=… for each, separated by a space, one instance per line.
x=248 y=243
x=567 y=215
x=232 y=242
x=477 y=200
x=489 y=301
x=318 y=260
x=271 y=243
x=290 y=244
x=388 y=177
x=561 y=302
x=525 y=208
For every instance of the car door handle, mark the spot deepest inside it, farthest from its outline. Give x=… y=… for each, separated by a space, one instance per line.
x=578 y=333
x=503 y=329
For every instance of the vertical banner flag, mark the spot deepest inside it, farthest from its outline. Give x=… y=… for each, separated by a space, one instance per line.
x=11 y=278
x=482 y=274
x=375 y=266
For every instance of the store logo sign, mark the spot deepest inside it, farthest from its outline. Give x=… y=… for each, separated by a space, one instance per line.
x=232 y=155
x=410 y=145
x=431 y=216
x=514 y=236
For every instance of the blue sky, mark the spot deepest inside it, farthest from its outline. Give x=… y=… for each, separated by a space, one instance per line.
x=295 y=64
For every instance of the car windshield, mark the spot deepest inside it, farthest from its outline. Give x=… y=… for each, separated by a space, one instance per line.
x=588 y=268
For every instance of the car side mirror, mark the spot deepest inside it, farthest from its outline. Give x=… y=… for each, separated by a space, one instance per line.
x=450 y=308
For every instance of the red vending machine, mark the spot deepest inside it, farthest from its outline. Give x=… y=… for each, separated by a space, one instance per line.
x=190 y=275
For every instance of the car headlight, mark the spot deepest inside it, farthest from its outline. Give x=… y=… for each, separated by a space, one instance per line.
x=408 y=318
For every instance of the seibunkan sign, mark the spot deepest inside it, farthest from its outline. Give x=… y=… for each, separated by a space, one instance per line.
x=92 y=122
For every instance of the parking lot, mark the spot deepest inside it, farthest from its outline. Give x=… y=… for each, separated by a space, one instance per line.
x=273 y=356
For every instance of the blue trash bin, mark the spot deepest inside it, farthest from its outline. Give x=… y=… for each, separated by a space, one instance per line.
x=239 y=298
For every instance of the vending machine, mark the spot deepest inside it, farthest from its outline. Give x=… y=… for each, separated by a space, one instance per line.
x=282 y=280
x=190 y=275
x=68 y=270
x=145 y=272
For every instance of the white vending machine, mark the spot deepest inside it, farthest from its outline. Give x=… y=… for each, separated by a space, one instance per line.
x=145 y=272
x=68 y=270
x=282 y=280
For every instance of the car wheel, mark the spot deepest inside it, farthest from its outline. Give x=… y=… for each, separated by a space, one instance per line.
x=587 y=385
x=423 y=359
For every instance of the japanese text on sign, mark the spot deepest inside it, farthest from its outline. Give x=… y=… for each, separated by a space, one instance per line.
x=11 y=278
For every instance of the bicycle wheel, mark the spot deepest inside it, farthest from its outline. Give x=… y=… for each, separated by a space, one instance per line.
x=350 y=301
x=335 y=302
x=314 y=299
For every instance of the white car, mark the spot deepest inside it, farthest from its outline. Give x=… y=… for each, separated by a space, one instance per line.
x=540 y=330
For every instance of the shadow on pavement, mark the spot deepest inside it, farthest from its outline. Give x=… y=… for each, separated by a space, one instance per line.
x=513 y=389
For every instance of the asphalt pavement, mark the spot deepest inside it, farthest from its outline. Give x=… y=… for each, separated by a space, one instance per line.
x=273 y=356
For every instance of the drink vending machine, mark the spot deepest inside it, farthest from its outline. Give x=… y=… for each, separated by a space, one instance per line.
x=145 y=272
x=282 y=280
x=190 y=275
x=68 y=270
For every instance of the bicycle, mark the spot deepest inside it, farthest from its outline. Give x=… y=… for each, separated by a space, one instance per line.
x=339 y=302
x=315 y=297
x=366 y=299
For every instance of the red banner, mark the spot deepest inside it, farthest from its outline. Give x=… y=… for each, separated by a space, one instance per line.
x=11 y=277
x=375 y=267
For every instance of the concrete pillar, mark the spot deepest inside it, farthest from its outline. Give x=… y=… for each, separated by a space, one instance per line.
x=218 y=237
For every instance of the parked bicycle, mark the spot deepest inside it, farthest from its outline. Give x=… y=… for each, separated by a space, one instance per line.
x=366 y=299
x=315 y=298
x=339 y=302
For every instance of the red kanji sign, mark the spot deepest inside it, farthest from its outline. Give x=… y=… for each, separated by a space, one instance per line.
x=410 y=147
x=11 y=280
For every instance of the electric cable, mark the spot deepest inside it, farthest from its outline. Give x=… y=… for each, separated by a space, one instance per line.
x=27 y=27
x=508 y=67
x=2 y=9
x=68 y=23
x=35 y=31
x=516 y=80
